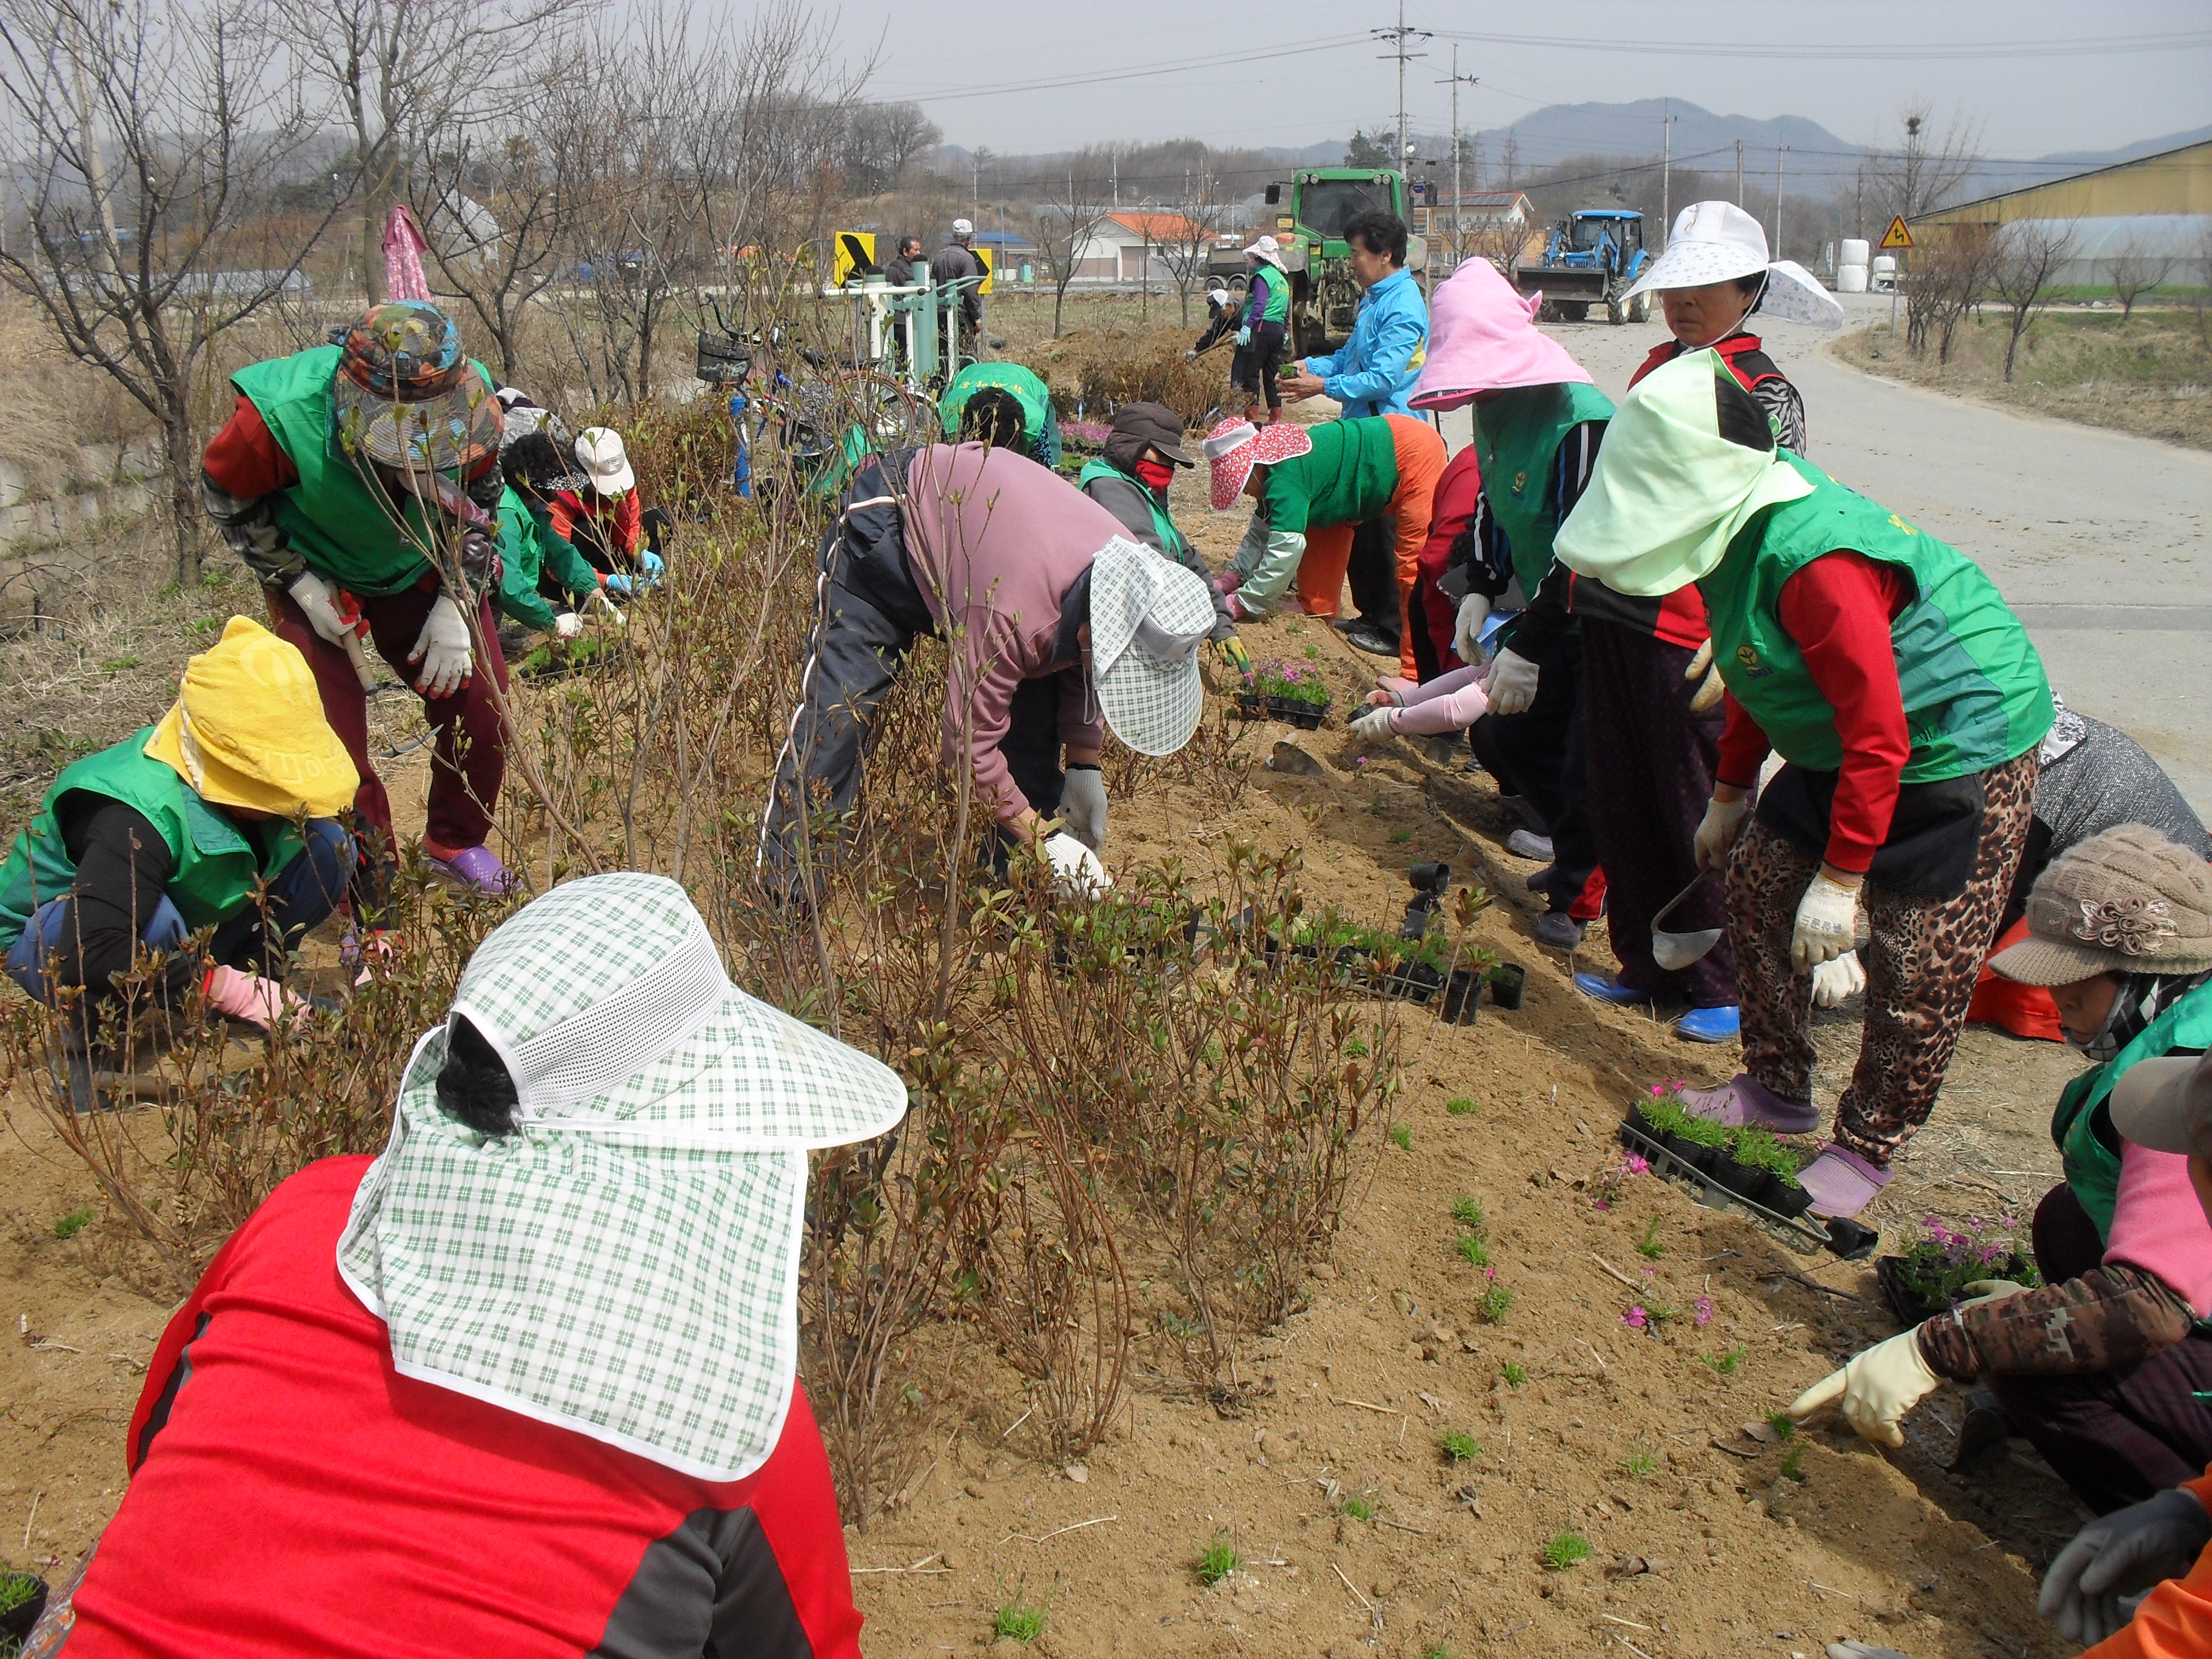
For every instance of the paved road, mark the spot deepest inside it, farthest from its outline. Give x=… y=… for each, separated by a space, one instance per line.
x=2098 y=539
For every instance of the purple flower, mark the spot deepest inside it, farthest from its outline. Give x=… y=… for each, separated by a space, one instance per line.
x=1701 y=1310
x=1636 y=1319
x=1634 y=1165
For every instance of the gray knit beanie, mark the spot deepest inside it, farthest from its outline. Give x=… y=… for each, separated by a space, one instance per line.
x=2126 y=901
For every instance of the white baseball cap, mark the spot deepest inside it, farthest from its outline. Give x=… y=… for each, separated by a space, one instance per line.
x=599 y=453
x=963 y=228
x=1718 y=241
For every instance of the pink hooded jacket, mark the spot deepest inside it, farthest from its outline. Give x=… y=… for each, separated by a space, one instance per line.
x=1483 y=337
x=996 y=542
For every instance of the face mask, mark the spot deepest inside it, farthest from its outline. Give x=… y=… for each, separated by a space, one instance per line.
x=1155 y=475
x=2107 y=1039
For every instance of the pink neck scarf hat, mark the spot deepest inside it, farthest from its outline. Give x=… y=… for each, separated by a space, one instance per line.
x=1483 y=337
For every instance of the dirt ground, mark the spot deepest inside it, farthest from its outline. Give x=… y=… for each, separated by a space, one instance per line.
x=1631 y=1441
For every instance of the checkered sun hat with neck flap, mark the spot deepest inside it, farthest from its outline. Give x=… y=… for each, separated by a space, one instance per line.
x=626 y=1263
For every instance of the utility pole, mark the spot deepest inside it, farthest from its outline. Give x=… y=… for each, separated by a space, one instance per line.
x=1115 y=153
x=1459 y=199
x=1397 y=37
x=1778 y=150
x=1739 y=173
x=1666 y=169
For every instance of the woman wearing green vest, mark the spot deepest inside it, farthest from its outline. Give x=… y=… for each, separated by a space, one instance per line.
x=357 y=482
x=1908 y=705
x=1538 y=422
x=1263 y=332
x=1144 y=447
x=540 y=568
x=221 y=817
x=2100 y=1365
x=1003 y=404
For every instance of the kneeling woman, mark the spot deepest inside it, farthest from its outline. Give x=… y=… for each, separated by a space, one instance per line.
x=223 y=817
x=441 y=1401
x=1831 y=615
x=2101 y=1366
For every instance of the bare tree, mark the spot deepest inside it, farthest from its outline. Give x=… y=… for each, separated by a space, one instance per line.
x=882 y=140
x=397 y=68
x=1950 y=278
x=2135 y=272
x=1188 y=236
x=161 y=132
x=2028 y=254
x=1065 y=227
x=1925 y=171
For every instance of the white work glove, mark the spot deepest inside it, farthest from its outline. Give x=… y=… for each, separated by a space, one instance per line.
x=1466 y=632
x=1716 y=832
x=1511 y=684
x=1828 y=923
x=1877 y=1387
x=567 y=625
x=2128 y=1550
x=443 y=649
x=1835 y=983
x=1075 y=871
x=1244 y=335
x=1711 y=689
x=319 y=602
x=1992 y=1290
x=1083 y=807
x=1373 y=724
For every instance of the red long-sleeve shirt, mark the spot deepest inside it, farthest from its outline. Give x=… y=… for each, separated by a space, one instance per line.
x=292 y=1494
x=1837 y=610
x=244 y=460
x=615 y=524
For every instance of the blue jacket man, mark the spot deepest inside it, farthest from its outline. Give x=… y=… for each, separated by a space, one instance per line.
x=1374 y=371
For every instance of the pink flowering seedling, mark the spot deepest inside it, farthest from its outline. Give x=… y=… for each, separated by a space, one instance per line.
x=1701 y=1312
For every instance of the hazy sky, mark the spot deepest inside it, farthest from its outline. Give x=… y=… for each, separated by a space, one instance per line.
x=2029 y=71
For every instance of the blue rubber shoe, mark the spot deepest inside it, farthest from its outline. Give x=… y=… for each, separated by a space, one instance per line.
x=1607 y=988
x=1711 y=1024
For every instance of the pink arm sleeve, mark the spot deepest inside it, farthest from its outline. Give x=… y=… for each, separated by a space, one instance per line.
x=1447 y=703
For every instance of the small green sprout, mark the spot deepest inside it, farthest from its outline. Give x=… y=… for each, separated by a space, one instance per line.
x=1782 y=1423
x=1649 y=1246
x=1789 y=1469
x=1468 y=1211
x=1725 y=1364
x=1515 y=1375
x=1472 y=1251
x=1401 y=836
x=1493 y=1304
x=72 y=1224
x=1438 y=1650
x=1218 y=1559
x=1641 y=1463
x=1401 y=1137
x=1357 y=1507
x=1460 y=1106
x=1564 y=1550
x=1019 y=1620
x=1458 y=1447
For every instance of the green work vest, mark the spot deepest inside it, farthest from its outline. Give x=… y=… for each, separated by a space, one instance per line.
x=333 y=520
x=1026 y=388
x=2092 y=1165
x=1520 y=432
x=215 y=861
x=1975 y=695
x=1277 y=307
x=1348 y=477
x=1171 y=539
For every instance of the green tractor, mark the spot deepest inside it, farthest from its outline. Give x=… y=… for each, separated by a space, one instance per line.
x=1309 y=226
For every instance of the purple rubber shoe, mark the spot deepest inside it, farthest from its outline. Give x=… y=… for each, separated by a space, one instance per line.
x=1743 y=1100
x=1841 y=1183
x=478 y=867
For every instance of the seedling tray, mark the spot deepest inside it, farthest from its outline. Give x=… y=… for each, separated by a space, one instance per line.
x=1802 y=1233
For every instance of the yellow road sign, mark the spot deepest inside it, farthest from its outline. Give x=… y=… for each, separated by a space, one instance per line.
x=854 y=252
x=984 y=256
x=1897 y=236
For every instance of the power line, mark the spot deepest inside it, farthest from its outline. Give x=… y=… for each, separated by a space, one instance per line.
x=2099 y=45
x=1134 y=72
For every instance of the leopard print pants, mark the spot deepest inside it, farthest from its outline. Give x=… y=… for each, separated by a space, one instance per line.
x=1920 y=965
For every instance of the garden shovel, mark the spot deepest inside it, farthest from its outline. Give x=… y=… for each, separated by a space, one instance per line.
x=1675 y=951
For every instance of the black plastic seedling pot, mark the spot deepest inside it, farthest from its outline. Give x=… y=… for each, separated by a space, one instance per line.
x=1463 y=996
x=1507 y=981
x=15 y=1624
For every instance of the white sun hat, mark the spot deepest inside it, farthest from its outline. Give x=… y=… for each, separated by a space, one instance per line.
x=625 y=1263
x=1148 y=616
x=600 y=453
x=1718 y=241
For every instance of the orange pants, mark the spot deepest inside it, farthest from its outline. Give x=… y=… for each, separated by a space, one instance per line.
x=1420 y=449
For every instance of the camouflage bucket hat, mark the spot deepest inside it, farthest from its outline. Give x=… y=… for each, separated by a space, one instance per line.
x=405 y=396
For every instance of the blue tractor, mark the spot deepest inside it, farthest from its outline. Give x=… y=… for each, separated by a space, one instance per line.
x=1593 y=258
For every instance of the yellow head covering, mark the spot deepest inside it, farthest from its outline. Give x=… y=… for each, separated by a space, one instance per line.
x=247 y=729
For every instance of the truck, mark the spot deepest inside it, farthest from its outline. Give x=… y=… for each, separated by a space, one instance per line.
x=1593 y=258
x=1309 y=214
